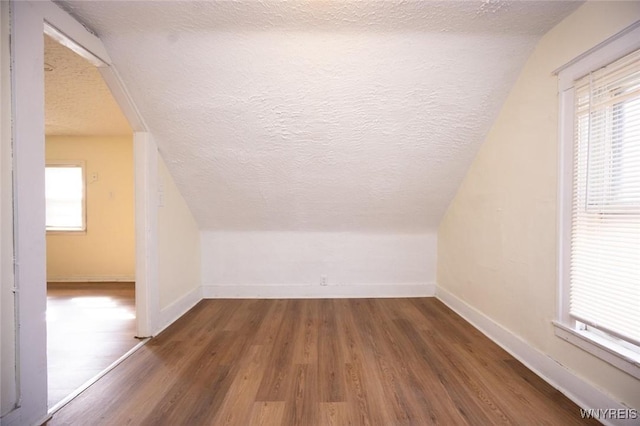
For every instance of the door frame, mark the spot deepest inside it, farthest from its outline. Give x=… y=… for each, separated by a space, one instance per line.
x=30 y=19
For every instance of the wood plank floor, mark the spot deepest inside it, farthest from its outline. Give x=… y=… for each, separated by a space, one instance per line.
x=89 y=326
x=320 y=362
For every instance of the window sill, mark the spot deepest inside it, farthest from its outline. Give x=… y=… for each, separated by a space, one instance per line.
x=66 y=232
x=616 y=355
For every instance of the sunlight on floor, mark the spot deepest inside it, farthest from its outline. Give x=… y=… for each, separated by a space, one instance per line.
x=88 y=328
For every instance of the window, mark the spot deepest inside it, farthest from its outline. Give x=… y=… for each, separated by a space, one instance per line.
x=65 y=201
x=600 y=202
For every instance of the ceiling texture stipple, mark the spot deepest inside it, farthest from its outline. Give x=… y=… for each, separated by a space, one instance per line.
x=319 y=115
x=77 y=100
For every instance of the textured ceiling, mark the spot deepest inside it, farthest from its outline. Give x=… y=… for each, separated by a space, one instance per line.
x=77 y=101
x=319 y=115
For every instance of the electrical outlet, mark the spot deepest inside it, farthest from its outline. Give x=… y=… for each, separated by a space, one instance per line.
x=323 y=280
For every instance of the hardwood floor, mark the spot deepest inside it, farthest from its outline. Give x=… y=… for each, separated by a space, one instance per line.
x=320 y=362
x=89 y=326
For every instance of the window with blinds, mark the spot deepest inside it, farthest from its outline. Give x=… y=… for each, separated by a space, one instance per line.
x=605 y=213
x=64 y=193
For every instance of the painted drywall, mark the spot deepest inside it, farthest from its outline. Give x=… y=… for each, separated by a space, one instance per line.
x=106 y=252
x=497 y=245
x=178 y=242
x=7 y=311
x=289 y=264
x=319 y=116
x=27 y=87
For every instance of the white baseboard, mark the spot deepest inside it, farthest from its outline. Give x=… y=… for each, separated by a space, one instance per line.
x=584 y=394
x=317 y=292
x=178 y=308
x=93 y=279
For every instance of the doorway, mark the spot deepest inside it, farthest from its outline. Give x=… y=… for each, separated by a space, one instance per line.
x=90 y=239
x=25 y=401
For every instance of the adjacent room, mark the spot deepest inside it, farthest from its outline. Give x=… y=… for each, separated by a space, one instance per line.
x=89 y=224
x=338 y=212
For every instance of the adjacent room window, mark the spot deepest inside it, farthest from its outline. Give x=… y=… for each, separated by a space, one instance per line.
x=65 y=200
x=600 y=209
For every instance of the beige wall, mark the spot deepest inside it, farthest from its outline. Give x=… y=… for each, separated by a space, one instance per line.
x=106 y=252
x=178 y=242
x=497 y=246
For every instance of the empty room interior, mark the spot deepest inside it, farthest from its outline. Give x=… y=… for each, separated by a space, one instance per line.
x=320 y=212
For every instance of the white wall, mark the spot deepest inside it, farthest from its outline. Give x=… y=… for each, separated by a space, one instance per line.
x=178 y=250
x=29 y=206
x=497 y=244
x=7 y=335
x=289 y=264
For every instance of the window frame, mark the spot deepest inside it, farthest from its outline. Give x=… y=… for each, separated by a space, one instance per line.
x=565 y=327
x=71 y=163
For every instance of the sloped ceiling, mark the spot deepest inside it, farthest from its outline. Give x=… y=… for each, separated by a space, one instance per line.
x=77 y=100
x=317 y=115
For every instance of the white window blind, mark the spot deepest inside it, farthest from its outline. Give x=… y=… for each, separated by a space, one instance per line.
x=64 y=192
x=605 y=234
